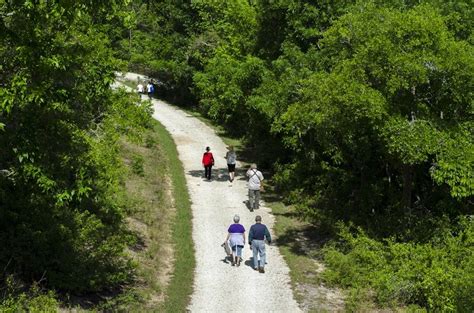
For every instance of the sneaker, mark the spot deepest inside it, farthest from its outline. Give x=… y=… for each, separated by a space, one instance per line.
x=261 y=270
x=256 y=269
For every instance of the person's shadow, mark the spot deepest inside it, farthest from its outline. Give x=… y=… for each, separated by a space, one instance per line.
x=247 y=204
x=249 y=262
x=217 y=174
x=227 y=259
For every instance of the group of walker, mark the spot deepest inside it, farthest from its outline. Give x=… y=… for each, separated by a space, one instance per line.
x=235 y=242
x=150 y=89
x=258 y=233
x=255 y=177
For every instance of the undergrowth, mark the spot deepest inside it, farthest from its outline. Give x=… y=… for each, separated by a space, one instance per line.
x=437 y=275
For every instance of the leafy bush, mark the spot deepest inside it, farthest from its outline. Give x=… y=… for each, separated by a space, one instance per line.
x=437 y=275
x=137 y=165
x=150 y=141
x=33 y=300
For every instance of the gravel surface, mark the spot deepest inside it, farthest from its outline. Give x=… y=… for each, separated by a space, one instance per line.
x=219 y=287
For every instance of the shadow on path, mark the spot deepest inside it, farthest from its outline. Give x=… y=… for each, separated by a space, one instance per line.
x=217 y=174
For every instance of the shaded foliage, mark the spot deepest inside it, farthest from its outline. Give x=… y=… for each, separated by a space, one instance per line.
x=59 y=166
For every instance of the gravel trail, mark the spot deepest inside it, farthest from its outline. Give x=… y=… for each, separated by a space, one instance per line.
x=219 y=287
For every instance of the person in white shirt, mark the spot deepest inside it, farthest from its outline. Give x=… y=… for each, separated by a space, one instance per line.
x=140 y=88
x=150 y=89
x=231 y=160
x=255 y=184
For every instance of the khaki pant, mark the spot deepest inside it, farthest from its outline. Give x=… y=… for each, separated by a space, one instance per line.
x=254 y=199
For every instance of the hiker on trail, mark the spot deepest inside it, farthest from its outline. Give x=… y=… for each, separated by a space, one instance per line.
x=257 y=235
x=207 y=162
x=255 y=184
x=231 y=160
x=236 y=239
x=140 y=88
x=150 y=89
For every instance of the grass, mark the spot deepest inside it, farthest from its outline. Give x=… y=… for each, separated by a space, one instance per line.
x=299 y=243
x=159 y=215
x=180 y=286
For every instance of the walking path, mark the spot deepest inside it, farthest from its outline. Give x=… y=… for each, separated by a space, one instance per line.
x=219 y=287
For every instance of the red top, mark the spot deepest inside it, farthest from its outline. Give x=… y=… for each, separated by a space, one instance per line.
x=207 y=159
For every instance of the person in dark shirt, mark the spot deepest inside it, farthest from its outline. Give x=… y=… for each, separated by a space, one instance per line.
x=257 y=235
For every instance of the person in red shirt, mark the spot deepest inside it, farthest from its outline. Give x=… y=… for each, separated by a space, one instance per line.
x=207 y=162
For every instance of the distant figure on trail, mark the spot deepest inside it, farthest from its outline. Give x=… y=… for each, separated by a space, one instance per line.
x=257 y=235
x=207 y=162
x=150 y=89
x=236 y=239
x=255 y=184
x=140 y=88
x=231 y=160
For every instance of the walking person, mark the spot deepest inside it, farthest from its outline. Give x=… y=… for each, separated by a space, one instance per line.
x=150 y=89
x=257 y=234
x=207 y=162
x=231 y=158
x=255 y=184
x=236 y=239
x=140 y=88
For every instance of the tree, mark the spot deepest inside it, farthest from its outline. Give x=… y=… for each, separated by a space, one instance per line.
x=58 y=219
x=376 y=128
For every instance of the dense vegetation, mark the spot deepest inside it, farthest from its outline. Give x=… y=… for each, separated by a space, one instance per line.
x=363 y=109
x=61 y=226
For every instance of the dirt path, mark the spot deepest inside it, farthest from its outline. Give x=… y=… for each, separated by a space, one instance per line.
x=219 y=287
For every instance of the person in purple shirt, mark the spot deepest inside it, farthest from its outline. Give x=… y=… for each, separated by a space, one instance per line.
x=236 y=239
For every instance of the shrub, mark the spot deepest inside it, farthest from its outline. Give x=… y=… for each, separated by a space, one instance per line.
x=137 y=165
x=33 y=300
x=437 y=275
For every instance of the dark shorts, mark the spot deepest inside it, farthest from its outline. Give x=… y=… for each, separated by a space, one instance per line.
x=235 y=247
x=231 y=167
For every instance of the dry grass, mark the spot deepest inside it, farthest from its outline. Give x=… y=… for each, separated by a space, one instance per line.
x=150 y=203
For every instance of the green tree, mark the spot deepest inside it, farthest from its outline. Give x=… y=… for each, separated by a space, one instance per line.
x=58 y=163
x=390 y=117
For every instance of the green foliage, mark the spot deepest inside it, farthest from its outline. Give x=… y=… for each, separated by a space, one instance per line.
x=233 y=22
x=137 y=165
x=34 y=300
x=59 y=218
x=225 y=86
x=150 y=142
x=436 y=275
x=366 y=108
x=370 y=134
x=294 y=22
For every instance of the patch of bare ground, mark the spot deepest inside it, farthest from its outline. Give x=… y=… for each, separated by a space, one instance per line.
x=314 y=295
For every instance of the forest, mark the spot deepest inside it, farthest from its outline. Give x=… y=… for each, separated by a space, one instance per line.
x=361 y=110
